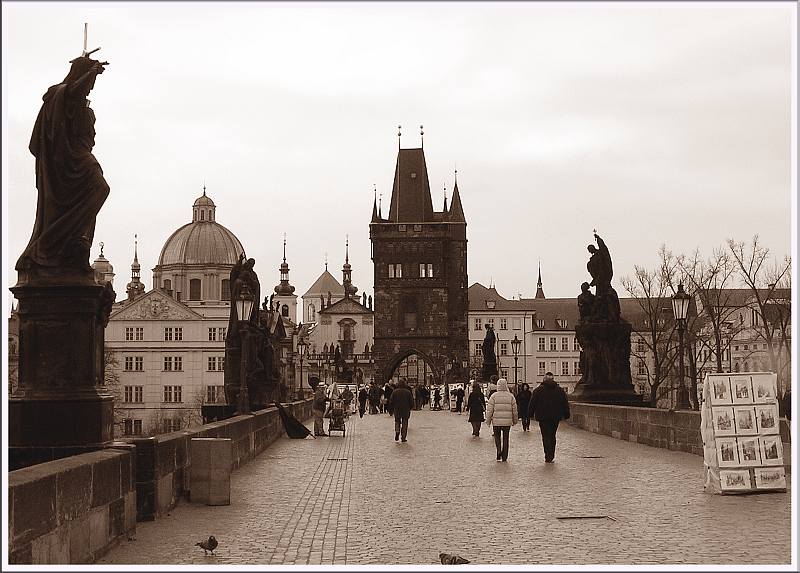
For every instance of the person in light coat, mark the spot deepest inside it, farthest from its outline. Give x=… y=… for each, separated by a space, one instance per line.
x=501 y=414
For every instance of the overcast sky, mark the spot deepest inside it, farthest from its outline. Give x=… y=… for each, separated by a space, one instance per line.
x=654 y=123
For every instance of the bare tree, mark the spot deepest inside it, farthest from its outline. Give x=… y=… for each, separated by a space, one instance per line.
x=652 y=289
x=111 y=381
x=768 y=282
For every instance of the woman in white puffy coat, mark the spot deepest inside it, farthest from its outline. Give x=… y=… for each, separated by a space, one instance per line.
x=501 y=413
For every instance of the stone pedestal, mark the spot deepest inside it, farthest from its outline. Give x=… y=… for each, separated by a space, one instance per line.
x=61 y=406
x=210 y=477
x=605 y=364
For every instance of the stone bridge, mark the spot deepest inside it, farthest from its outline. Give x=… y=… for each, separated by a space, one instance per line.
x=366 y=499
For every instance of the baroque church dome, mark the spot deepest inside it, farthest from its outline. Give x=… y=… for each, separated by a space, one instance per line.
x=203 y=241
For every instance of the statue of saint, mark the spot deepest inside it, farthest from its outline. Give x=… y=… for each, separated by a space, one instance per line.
x=489 y=356
x=70 y=183
x=600 y=267
x=586 y=302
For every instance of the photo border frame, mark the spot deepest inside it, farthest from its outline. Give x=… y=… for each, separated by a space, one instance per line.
x=717 y=430
x=742 y=401
x=758 y=475
x=727 y=464
x=775 y=429
x=770 y=462
x=749 y=463
x=744 y=472
x=745 y=431
x=715 y=401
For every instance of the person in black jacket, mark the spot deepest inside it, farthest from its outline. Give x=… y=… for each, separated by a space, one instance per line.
x=523 y=401
x=459 y=393
x=548 y=405
x=476 y=406
x=363 y=395
x=400 y=403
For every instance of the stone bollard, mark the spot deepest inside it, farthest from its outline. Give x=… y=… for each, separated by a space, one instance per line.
x=210 y=476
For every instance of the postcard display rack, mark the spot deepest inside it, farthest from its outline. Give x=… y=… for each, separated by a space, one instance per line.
x=742 y=447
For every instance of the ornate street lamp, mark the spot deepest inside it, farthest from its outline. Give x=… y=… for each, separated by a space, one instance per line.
x=301 y=350
x=680 y=307
x=244 y=306
x=515 y=349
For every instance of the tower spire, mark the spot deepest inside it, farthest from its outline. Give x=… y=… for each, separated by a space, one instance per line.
x=421 y=137
x=375 y=217
x=399 y=132
x=135 y=287
x=539 y=289
x=284 y=288
x=284 y=247
x=445 y=199
x=347 y=249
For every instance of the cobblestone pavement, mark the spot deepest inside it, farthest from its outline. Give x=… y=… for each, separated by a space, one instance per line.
x=366 y=499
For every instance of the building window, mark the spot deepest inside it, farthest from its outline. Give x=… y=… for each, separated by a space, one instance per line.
x=504 y=373
x=426 y=270
x=168 y=363
x=746 y=366
x=745 y=347
x=128 y=333
x=515 y=323
x=171 y=333
x=478 y=349
x=539 y=323
x=212 y=334
x=138 y=363
x=168 y=333
x=575 y=345
x=576 y=368
x=285 y=311
x=409 y=310
x=133 y=427
x=139 y=333
x=755 y=317
x=172 y=425
x=128 y=363
x=173 y=394
x=564 y=344
x=565 y=368
x=194 y=289
x=504 y=349
x=490 y=322
x=173 y=363
x=395 y=270
x=552 y=344
x=215 y=394
x=553 y=368
x=478 y=324
x=226 y=289
x=736 y=348
x=542 y=368
x=216 y=363
x=642 y=371
x=167 y=284
x=541 y=344
x=134 y=394
x=503 y=324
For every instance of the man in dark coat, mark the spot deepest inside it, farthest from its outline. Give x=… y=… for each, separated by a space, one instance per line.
x=400 y=403
x=362 y=401
x=476 y=406
x=374 y=398
x=437 y=399
x=523 y=401
x=548 y=405
x=459 y=398
x=387 y=395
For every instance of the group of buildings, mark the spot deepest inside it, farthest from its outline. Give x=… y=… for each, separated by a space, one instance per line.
x=165 y=346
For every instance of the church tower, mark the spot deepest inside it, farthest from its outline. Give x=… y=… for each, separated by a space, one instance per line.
x=284 y=293
x=420 y=278
x=135 y=288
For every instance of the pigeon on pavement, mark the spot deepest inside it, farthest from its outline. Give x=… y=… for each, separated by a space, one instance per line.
x=448 y=559
x=209 y=545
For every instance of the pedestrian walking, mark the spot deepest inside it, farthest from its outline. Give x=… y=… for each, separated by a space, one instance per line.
x=375 y=396
x=363 y=395
x=387 y=395
x=523 y=401
x=476 y=406
x=501 y=414
x=437 y=399
x=400 y=403
x=492 y=384
x=459 y=398
x=548 y=406
x=347 y=399
x=318 y=407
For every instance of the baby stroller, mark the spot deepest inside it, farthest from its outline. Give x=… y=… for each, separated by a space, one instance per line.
x=338 y=417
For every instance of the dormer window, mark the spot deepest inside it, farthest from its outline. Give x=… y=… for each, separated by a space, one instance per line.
x=539 y=323
x=490 y=304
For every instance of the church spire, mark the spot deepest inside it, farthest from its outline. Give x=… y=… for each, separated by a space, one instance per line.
x=349 y=287
x=284 y=288
x=375 y=217
x=444 y=210
x=456 y=214
x=135 y=287
x=539 y=290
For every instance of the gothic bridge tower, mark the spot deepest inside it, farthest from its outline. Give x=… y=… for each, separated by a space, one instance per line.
x=420 y=281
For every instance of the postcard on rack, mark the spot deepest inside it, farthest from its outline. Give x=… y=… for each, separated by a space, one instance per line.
x=771 y=450
x=742 y=390
x=727 y=452
x=764 y=388
x=722 y=419
x=767 y=418
x=749 y=454
x=720 y=390
x=770 y=478
x=745 y=420
x=732 y=480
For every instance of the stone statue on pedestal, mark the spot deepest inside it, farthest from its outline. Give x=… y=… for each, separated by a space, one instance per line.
x=604 y=337
x=489 y=355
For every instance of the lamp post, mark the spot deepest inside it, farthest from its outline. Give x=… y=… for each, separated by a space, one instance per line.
x=680 y=307
x=515 y=349
x=301 y=350
x=244 y=305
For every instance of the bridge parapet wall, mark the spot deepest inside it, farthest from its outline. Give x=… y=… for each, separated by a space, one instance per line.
x=71 y=510
x=163 y=462
x=669 y=429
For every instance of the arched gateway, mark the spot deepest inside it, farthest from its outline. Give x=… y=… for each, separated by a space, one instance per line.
x=420 y=274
